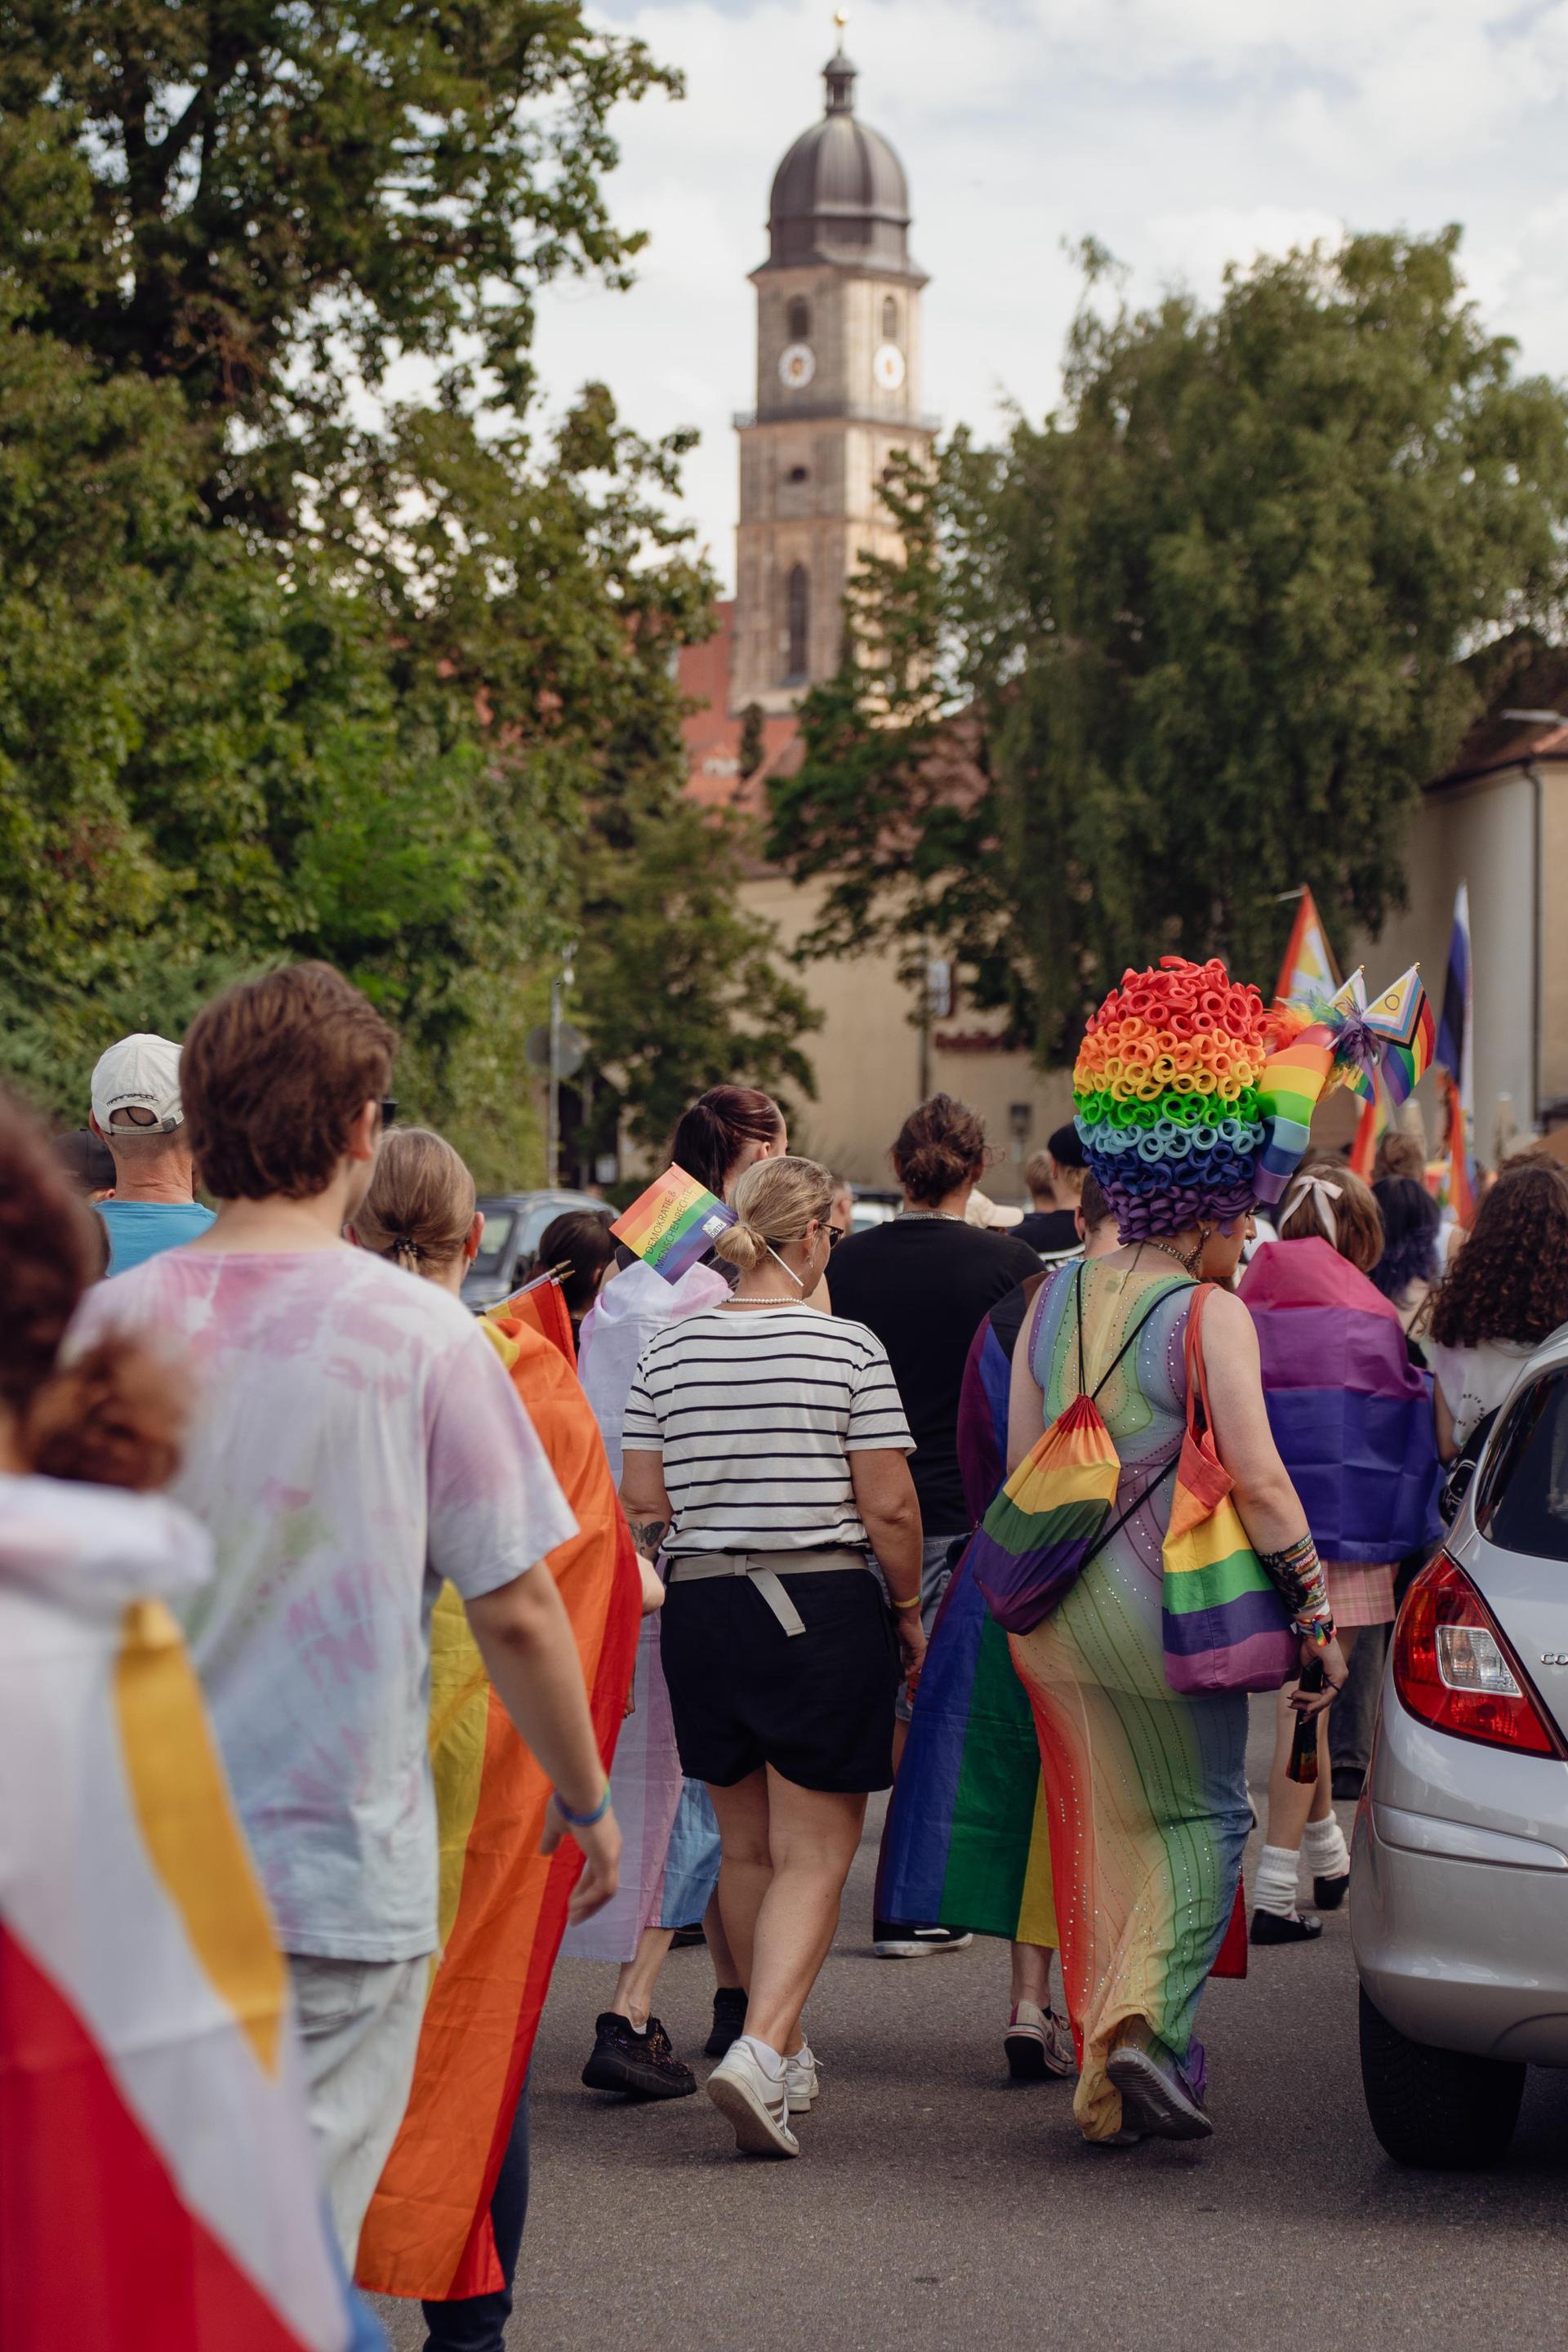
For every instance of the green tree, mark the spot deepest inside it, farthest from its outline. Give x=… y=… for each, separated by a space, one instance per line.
x=288 y=665
x=1194 y=639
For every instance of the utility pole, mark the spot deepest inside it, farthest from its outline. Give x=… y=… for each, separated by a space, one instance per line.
x=558 y=988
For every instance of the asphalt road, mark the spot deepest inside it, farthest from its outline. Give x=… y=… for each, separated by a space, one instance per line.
x=937 y=2205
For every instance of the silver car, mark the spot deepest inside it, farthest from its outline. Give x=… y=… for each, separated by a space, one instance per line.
x=1459 y=1870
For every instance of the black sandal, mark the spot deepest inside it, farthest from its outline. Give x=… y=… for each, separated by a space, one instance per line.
x=1330 y=1893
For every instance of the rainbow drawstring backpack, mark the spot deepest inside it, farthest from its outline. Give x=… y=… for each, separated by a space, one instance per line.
x=1226 y=1626
x=1054 y=1513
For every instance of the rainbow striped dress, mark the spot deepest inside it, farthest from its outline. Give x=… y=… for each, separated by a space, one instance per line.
x=1146 y=1790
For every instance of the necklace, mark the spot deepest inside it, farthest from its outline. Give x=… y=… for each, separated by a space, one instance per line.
x=759 y=1302
x=949 y=1216
x=1171 y=1251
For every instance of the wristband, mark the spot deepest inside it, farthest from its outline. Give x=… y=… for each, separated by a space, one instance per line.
x=912 y=1602
x=582 y=1820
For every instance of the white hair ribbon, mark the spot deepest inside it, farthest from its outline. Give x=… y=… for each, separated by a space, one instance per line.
x=1320 y=1192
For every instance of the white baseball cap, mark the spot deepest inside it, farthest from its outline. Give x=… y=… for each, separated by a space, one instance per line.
x=141 y=1072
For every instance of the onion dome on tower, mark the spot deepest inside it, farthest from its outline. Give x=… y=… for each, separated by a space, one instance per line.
x=840 y=194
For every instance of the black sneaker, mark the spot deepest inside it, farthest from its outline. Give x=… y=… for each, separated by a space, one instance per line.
x=729 y=2020
x=891 y=1942
x=638 y=2065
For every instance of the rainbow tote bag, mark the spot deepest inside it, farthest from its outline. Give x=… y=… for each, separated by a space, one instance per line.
x=1226 y=1626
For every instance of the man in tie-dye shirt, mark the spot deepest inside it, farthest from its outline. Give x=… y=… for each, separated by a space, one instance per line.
x=355 y=1442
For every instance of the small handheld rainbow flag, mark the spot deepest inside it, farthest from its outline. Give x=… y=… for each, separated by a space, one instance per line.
x=673 y=1223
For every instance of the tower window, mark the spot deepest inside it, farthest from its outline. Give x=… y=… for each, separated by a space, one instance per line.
x=798 y=592
x=890 y=321
x=799 y=319
x=797 y=474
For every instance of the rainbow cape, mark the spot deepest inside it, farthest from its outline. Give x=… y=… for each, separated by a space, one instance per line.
x=502 y=1904
x=674 y=1223
x=1351 y=1414
x=159 y=2189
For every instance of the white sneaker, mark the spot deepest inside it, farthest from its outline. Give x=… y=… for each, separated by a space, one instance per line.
x=755 y=2103
x=800 y=2084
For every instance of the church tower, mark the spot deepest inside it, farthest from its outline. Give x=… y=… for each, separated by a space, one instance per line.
x=838 y=372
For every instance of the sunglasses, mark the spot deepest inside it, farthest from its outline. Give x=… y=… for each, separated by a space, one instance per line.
x=834 y=1236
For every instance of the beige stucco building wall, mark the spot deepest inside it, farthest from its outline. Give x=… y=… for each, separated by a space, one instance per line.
x=867 y=1056
x=868 y=1061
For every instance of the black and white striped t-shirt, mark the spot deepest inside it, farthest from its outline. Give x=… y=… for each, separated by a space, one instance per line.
x=757 y=1413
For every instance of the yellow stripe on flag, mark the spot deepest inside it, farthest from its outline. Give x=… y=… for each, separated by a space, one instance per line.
x=459 y=1718
x=181 y=1801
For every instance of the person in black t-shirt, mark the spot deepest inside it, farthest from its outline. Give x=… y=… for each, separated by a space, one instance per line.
x=1053 y=1232
x=924 y=1284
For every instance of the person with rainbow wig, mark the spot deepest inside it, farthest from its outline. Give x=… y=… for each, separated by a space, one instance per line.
x=1145 y=1785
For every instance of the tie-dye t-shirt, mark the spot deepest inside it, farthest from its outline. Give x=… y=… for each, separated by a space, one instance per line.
x=356 y=1440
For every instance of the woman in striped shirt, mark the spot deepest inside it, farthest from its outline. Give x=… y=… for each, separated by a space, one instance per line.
x=764 y=1448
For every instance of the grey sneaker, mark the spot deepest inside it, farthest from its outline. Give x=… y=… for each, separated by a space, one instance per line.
x=1156 y=2096
x=753 y=2104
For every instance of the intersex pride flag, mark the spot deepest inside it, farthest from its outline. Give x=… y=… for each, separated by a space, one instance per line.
x=674 y=1223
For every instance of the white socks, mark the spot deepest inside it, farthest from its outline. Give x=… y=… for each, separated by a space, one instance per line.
x=770 y=2060
x=1323 y=1844
x=1274 y=1888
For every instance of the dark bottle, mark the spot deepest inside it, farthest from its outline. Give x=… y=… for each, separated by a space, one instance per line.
x=1304 y=1764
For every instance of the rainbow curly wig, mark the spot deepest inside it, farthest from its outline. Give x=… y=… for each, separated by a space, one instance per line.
x=1166 y=1092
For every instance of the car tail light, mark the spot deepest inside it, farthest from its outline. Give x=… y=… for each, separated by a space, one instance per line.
x=1454 y=1669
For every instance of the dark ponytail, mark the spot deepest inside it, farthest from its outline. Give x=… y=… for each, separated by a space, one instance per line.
x=112 y=1417
x=720 y=1124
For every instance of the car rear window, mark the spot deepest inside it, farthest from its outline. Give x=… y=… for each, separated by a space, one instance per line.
x=1523 y=1502
x=499 y=1224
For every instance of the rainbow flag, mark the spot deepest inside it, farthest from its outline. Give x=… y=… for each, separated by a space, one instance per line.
x=1400 y=1020
x=502 y=1904
x=674 y=1223
x=159 y=2189
x=1308 y=970
x=1351 y=1414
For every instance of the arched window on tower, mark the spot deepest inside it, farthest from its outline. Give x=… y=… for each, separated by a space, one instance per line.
x=798 y=606
x=890 y=321
x=799 y=319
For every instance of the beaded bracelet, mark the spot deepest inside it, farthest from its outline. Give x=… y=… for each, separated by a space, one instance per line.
x=1297 y=1573
x=582 y=1820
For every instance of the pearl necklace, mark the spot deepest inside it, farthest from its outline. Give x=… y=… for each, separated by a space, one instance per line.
x=759 y=1302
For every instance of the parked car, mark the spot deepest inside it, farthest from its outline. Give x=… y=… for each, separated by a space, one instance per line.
x=508 y=1252
x=1460 y=1867
x=873 y=1206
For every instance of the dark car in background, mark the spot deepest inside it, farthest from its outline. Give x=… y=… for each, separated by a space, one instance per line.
x=515 y=1223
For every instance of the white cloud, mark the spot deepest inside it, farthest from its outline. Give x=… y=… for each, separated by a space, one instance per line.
x=1180 y=132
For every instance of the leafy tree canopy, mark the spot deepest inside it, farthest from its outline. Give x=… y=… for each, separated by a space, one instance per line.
x=300 y=653
x=1192 y=640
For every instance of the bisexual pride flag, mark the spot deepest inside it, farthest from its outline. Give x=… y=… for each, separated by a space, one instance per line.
x=1351 y=1414
x=674 y=1223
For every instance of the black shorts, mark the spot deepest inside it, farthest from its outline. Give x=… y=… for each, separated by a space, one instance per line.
x=816 y=1706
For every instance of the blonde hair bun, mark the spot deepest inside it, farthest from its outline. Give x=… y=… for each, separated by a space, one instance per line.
x=774 y=1201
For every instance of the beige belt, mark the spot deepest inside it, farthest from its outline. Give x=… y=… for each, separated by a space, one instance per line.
x=764 y=1569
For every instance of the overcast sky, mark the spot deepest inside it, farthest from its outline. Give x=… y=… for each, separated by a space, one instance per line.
x=1181 y=133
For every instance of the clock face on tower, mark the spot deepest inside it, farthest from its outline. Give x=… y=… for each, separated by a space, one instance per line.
x=797 y=365
x=888 y=367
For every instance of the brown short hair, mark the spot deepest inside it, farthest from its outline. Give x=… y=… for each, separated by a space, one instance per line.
x=1399 y=1153
x=1358 y=1220
x=272 y=1076
x=1039 y=1175
x=941 y=1146
x=1092 y=1205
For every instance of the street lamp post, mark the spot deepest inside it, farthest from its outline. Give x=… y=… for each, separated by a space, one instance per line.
x=1538 y=842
